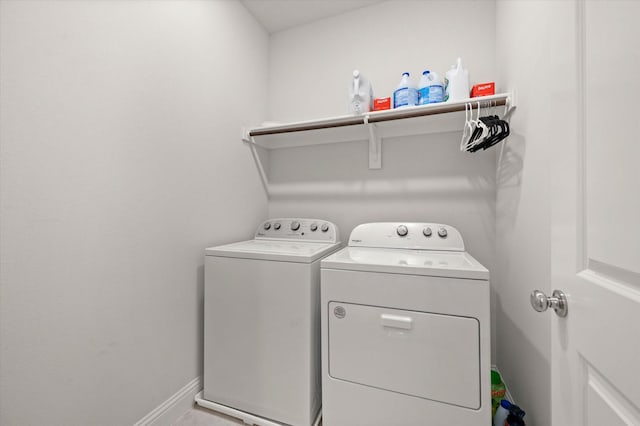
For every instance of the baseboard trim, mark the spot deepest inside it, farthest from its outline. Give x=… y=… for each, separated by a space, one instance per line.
x=177 y=404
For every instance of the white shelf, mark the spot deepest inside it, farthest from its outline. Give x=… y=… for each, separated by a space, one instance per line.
x=373 y=127
x=389 y=123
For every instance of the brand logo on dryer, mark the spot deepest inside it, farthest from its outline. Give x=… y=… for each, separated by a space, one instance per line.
x=339 y=312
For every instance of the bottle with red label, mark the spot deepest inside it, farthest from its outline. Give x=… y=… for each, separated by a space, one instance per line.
x=498 y=391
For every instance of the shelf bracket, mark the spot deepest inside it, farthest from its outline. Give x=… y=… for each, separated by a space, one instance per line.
x=375 y=145
x=248 y=139
x=246 y=136
x=510 y=105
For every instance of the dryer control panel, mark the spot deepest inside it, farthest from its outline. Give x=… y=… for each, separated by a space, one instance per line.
x=294 y=229
x=407 y=235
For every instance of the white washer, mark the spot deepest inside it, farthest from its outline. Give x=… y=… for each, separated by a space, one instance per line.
x=262 y=323
x=405 y=329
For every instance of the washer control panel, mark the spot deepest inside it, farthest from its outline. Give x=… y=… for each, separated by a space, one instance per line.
x=416 y=236
x=295 y=229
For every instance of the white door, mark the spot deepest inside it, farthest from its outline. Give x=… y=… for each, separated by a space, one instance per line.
x=596 y=219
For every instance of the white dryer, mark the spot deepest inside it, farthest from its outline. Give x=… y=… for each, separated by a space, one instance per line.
x=262 y=323
x=405 y=329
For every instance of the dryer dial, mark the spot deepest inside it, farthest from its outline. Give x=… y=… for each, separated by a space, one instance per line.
x=402 y=230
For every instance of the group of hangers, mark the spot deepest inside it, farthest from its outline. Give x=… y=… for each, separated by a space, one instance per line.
x=482 y=132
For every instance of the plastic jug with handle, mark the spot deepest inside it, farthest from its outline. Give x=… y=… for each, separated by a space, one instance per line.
x=360 y=94
x=431 y=88
x=406 y=94
x=457 y=82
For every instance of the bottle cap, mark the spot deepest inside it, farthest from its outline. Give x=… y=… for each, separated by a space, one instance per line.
x=406 y=73
x=425 y=72
x=505 y=404
x=356 y=73
x=495 y=378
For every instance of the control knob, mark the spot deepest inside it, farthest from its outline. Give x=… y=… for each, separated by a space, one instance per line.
x=276 y=226
x=442 y=232
x=325 y=227
x=402 y=230
x=295 y=225
x=426 y=232
x=314 y=227
x=267 y=226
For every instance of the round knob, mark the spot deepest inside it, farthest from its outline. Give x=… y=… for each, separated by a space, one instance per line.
x=314 y=227
x=402 y=230
x=267 y=226
x=325 y=227
x=276 y=226
x=426 y=232
x=558 y=301
x=295 y=225
x=539 y=301
x=442 y=232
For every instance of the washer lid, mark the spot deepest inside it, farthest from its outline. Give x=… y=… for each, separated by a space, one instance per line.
x=448 y=264
x=276 y=250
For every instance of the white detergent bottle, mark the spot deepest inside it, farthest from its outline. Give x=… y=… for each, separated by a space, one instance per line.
x=457 y=82
x=436 y=88
x=360 y=94
x=406 y=94
x=423 y=88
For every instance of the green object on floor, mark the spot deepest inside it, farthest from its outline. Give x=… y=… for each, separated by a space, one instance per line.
x=498 y=391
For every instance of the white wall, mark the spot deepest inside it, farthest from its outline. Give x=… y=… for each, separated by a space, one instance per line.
x=310 y=66
x=523 y=206
x=121 y=162
x=424 y=178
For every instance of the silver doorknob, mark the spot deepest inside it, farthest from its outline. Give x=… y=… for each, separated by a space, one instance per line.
x=558 y=301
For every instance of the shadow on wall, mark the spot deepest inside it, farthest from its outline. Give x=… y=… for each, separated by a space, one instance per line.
x=530 y=355
x=429 y=166
x=423 y=179
x=509 y=176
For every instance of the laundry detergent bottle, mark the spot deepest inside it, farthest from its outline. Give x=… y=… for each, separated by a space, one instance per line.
x=406 y=94
x=457 y=82
x=498 y=391
x=360 y=94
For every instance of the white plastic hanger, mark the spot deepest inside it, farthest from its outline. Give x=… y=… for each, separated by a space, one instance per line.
x=468 y=128
x=477 y=124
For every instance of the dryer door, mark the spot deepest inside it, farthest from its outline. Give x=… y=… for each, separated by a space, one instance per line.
x=430 y=356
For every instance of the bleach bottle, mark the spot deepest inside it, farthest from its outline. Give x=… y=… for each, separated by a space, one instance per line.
x=406 y=94
x=431 y=89
x=423 y=88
